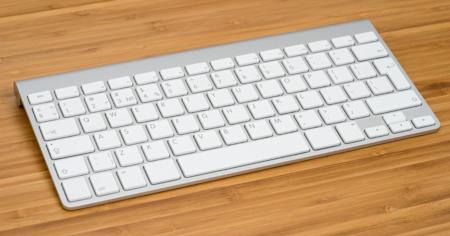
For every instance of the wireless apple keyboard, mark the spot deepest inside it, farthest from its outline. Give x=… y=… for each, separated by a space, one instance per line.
x=145 y=126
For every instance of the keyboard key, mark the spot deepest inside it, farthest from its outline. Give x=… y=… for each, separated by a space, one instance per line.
x=102 y=161
x=343 y=41
x=308 y=119
x=220 y=98
x=393 y=102
x=400 y=127
x=423 y=121
x=119 y=117
x=296 y=50
x=380 y=85
x=366 y=37
x=350 y=132
x=317 y=79
x=162 y=171
x=236 y=114
x=285 y=104
x=376 y=131
x=309 y=99
x=104 y=183
x=271 y=70
x=363 y=70
x=332 y=114
x=170 y=107
x=149 y=93
x=394 y=117
x=248 y=74
x=67 y=92
x=283 y=124
x=322 y=137
x=223 y=79
x=71 y=167
x=174 y=88
x=199 y=83
x=333 y=95
x=121 y=82
x=155 y=150
x=357 y=90
x=72 y=107
x=258 y=129
x=341 y=56
x=387 y=66
x=197 y=68
x=318 y=61
x=65 y=147
x=233 y=135
x=128 y=156
x=172 y=73
x=97 y=102
x=369 y=51
x=211 y=119
x=40 y=97
x=261 y=109
x=356 y=109
x=76 y=189
x=145 y=112
x=221 y=64
x=318 y=46
x=107 y=139
x=94 y=87
x=270 y=55
x=295 y=65
x=131 y=178
x=181 y=145
x=195 y=103
x=208 y=140
x=340 y=75
x=146 y=78
x=133 y=134
x=231 y=157
x=185 y=124
x=247 y=59
x=160 y=129
x=92 y=123
x=59 y=129
x=269 y=88
x=293 y=84
x=245 y=93
x=123 y=97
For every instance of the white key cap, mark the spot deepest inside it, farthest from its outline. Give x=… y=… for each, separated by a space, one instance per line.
x=258 y=129
x=197 y=68
x=308 y=119
x=332 y=114
x=220 y=98
x=93 y=87
x=65 y=147
x=181 y=145
x=333 y=95
x=92 y=122
x=318 y=61
x=71 y=167
x=309 y=99
x=271 y=70
x=400 y=127
x=363 y=70
x=119 y=117
x=67 y=92
x=40 y=97
x=261 y=109
x=221 y=64
x=97 y=102
x=285 y=104
x=340 y=75
x=322 y=137
x=254 y=152
x=162 y=171
x=185 y=124
x=247 y=59
x=131 y=178
x=393 y=102
x=369 y=51
x=146 y=78
x=120 y=82
x=245 y=93
x=223 y=79
x=376 y=131
x=296 y=50
x=208 y=140
x=133 y=134
x=270 y=55
x=283 y=124
x=107 y=139
x=248 y=74
x=295 y=65
x=380 y=85
x=269 y=88
x=145 y=112
x=387 y=66
x=233 y=135
x=343 y=41
x=293 y=84
x=366 y=37
x=199 y=83
x=123 y=97
x=149 y=93
x=76 y=189
x=236 y=114
x=357 y=90
x=394 y=117
x=59 y=129
x=195 y=103
x=160 y=129
x=211 y=119
x=72 y=107
x=174 y=88
x=341 y=56
x=356 y=109
x=350 y=132
x=155 y=150
x=128 y=156
x=170 y=107
x=423 y=121
x=104 y=183
x=172 y=73
x=102 y=161
x=318 y=46
x=317 y=79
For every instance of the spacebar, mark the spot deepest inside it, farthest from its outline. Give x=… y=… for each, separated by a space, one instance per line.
x=243 y=154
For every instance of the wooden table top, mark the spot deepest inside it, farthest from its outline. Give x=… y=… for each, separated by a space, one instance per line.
x=396 y=188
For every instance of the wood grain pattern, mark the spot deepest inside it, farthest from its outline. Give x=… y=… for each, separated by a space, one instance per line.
x=400 y=188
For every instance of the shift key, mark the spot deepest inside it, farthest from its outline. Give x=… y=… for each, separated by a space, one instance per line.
x=70 y=147
x=393 y=102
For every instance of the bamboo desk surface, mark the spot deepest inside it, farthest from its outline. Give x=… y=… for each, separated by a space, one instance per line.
x=396 y=188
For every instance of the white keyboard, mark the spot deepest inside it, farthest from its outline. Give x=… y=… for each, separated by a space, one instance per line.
x=145 y=126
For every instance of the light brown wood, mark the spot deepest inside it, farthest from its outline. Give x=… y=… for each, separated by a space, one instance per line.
x=400 y=188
